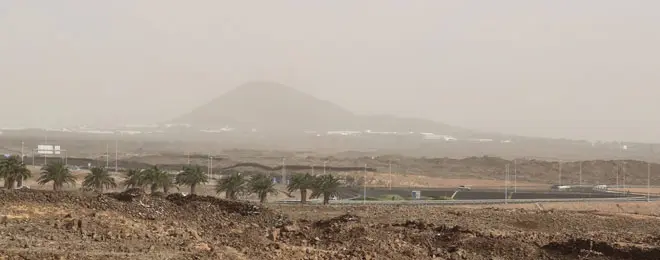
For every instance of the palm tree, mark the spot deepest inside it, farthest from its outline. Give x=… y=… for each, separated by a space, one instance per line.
x=57 y=173
x=326 y=186
x=157 y=179
x=232 y=185
x=13 y=170
x=302 y=182
x=192 y=176
x=98 y=178
x=135 y=178
x=262 y=185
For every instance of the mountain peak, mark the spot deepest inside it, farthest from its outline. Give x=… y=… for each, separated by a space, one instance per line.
x=267 y=105
x=263 y=85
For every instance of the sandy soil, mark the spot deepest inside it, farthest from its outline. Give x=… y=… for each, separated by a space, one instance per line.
x=66 y=225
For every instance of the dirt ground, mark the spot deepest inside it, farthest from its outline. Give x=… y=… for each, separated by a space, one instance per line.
x=36 y=224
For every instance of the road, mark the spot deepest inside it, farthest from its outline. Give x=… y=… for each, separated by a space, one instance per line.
x=481 y=196
x=468 y=202
x=475 y=194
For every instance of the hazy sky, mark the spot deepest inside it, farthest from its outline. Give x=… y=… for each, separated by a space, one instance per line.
x=576 y=69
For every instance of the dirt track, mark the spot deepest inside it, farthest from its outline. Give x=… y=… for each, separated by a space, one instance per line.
x=48 y=225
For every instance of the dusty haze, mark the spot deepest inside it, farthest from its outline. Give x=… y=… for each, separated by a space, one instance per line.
x=573 y=69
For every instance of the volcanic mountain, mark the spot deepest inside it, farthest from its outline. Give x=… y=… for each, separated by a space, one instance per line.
x=271 y=106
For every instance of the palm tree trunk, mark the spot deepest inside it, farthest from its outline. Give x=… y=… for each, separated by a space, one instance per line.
x=154 y=188
x=326 y=199
x=9 y=183
x=192 y=188
x=262 y=197
x=303 y=196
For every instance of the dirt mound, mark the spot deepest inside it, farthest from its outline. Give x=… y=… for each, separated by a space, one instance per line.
x=337 y=221
x=132 y=225
x=128 y=195
x=242 y=208
x=583 y=248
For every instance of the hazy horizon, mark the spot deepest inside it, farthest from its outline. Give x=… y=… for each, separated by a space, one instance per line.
x=578 y=70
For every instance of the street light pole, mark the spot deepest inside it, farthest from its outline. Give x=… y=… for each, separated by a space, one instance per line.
x=390 y=163
x=116 y=155
x=364 y=186
x=515 y=176
x=107 y=156
x=648 y=182
x=283 y=172
x=506 y=184
x=45 y=154
x=208 y=165
x=580 y=173
x=618 y=170
x=559 y=172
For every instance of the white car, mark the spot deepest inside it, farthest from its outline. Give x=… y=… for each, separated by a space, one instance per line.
x=464 y=188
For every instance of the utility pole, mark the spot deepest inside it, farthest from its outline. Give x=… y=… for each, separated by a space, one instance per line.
x=324 y=162
x=211 y=166
x=506 y=184
x=22 y=154
x=312 y=170
x=364 y=186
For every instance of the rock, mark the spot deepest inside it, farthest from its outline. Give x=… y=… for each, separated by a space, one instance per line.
x=274 y=234
x=203 y=247
x=194 y=234
x=290 y=228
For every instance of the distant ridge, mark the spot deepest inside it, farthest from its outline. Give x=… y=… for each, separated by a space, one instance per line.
x=272 y=106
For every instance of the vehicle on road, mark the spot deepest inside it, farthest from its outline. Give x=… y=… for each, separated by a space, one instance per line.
x=464 y=188
x=560 y=188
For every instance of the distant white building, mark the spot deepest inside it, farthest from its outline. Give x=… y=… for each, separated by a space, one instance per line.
x=344 y=133
x=432 y=136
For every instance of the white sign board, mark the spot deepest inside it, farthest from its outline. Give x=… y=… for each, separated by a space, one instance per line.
x=48 y=149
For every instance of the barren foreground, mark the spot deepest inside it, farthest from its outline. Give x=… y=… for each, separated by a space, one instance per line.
x=132 y=225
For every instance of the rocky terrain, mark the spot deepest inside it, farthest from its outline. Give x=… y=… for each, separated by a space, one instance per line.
x=133 y=225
